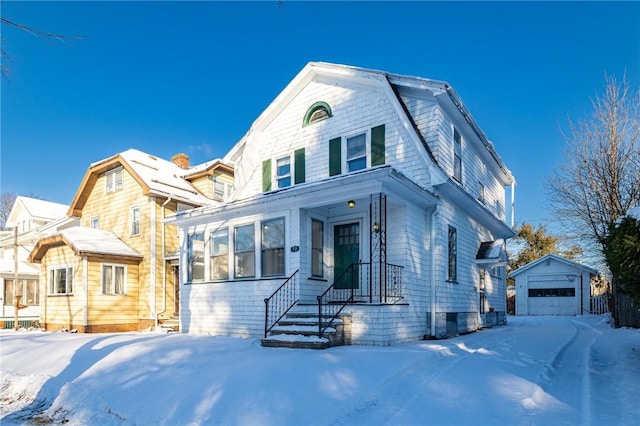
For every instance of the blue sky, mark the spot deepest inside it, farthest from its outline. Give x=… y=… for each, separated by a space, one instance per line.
x=169 y=77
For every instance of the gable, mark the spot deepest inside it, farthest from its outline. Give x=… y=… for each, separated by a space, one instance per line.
x=93 y=180
x=150 y=175
x=85 y=242
x=34 y=211
x=358 y=109
x=551 y=260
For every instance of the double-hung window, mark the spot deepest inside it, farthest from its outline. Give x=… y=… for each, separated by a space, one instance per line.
x=196 y=257
x=114 y=279
x=317 y=248
x=95 y=222
x=113 y=180
x=135 y=220
x=289 y=170
x=220 y=254
x=357 y=152
x=457 y=155
x=218 y=190
x=28 y=289
x=452 y=270
x=61 y=280
x=273 y=247
x=283 y=172
x=244 y=251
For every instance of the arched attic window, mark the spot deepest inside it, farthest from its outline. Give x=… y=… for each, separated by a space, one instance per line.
x=317 y=112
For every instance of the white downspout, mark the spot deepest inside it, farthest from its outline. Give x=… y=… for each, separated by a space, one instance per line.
x=513 y=204
x=85 y=299
x=432 y=238
x=152 y=263
x=164 y=267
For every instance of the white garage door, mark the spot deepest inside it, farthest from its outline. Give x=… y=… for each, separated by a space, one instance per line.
x=551 y=295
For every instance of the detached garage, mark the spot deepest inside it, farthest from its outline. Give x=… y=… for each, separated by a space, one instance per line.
x=553 y=285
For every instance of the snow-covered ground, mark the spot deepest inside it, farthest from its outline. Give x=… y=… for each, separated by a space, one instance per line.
x=534 y=371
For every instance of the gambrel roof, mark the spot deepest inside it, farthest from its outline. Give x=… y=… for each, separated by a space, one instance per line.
x=156 y=177
x=391 y=84
x=85 y=242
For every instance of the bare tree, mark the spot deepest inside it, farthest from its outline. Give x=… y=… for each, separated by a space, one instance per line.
x=531 y=243
x=49 y=36
x=7 y=199
x=599 y=179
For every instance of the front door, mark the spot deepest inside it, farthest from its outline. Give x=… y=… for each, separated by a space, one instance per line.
x=346 y=249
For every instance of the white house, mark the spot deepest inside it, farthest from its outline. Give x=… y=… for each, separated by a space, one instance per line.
x=553 y=285
x=366 y=196
x=30 y=219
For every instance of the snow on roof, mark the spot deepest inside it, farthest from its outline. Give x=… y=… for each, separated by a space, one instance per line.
x=7 y=266
x=97 y=241
x=37 y=209
x=199 y=168
x=490 y=251
x=556 y=258
x=163 y=177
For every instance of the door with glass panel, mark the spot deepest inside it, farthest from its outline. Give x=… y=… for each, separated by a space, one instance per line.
x=346 y=249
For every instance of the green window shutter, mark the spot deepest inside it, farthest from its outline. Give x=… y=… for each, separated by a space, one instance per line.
x=266 y=175
x=299 y=172
x=335 y=154
x=377 y=145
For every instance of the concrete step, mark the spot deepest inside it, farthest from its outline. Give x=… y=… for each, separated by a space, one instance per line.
x=296 y=342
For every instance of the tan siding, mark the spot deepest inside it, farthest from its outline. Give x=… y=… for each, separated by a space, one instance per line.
x=112 y=309
x=204 y=184
x=64 y=310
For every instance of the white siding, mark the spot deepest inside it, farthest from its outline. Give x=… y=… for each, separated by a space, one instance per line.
x=551 y=273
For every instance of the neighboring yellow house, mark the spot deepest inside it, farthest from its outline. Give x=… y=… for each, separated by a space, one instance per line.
x=118 y=270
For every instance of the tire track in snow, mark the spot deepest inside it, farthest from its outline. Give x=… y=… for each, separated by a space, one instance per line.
x=568 y=376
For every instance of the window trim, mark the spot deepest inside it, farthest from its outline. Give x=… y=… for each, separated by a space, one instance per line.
x=191 y=258
x=317 y=106
x=236 y=252
x=457 y=155
x=213 y=256
x=113 y=267
x=315 y=249
x=24 y=283
x=452 y=254
x=218 y=183
x=112 y=184
x=277 y=178
x=94 y=222
x=52 y=275
x=133 y=222
x=281 y=248
x=367 y=149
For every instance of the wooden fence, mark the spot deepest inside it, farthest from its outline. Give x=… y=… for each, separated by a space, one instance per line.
x=625 y=310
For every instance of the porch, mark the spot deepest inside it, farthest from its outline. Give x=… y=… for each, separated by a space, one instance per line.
x=290 y=323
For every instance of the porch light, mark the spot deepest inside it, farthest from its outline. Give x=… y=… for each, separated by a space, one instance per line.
x=376 y=227
x=351 y=204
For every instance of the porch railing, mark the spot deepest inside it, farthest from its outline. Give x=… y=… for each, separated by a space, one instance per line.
x=280 y=302
x=357 y=284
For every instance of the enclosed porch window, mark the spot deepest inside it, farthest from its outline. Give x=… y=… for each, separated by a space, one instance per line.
x=273 y=247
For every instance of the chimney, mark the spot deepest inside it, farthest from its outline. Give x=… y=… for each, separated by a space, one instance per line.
x=181 y=160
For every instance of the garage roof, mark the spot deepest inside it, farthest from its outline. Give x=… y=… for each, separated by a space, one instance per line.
x=556 y=258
